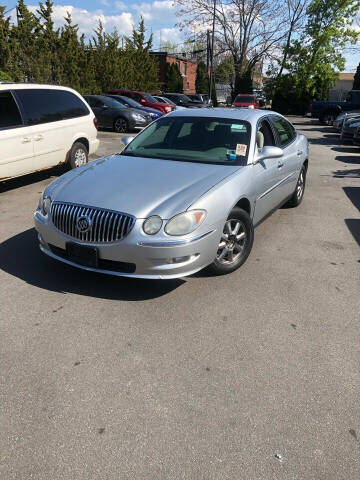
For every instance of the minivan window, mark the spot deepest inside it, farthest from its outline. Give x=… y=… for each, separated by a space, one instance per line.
x=44 y=106
x=9 y=112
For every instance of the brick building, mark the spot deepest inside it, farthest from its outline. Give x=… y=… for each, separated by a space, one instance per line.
x=187 y=69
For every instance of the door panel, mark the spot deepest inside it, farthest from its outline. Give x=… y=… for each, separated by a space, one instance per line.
x=17 y=151
x=266 y=174
x=15 y=139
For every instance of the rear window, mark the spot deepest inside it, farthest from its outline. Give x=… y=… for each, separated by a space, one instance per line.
x=45 y=106
x=244 y=99
x=9 y=112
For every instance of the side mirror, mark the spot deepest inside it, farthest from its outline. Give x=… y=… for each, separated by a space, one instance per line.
x=268 y=152
x=143 y=100
x=126 y=140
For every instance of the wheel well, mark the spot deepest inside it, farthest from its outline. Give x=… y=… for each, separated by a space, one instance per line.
x=306 y=164
x=84 y=141
x=245 y=205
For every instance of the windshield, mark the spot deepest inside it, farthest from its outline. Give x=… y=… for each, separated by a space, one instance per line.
x=185 y=98
x=113 y=102
x=131 y=102
x=194 y=139
x=150 y=98
x=244 y=99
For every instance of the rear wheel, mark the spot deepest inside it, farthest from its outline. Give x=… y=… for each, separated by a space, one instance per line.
x=121 y=125
x=78 y=155
x=298 y=194
x=235 y=244
x=328 y=118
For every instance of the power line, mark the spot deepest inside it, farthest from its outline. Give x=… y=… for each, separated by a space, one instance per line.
x=9 y=10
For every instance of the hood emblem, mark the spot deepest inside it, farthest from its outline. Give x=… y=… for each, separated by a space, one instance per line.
x=83 y=223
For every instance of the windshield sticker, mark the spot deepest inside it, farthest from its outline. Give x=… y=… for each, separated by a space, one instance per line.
x=241 y=149
x=237 y=127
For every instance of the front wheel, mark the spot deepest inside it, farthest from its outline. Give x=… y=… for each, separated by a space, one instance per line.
x=235 y=244
x=121 y=125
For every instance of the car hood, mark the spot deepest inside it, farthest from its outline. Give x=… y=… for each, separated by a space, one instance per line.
x=138 y=186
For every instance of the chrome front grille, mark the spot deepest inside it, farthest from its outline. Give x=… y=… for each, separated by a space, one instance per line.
x=104 y=225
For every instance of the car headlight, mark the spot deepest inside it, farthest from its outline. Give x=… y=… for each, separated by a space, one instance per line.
x=45 y=204
x=152 y=225
x=138 y=117
x=185 y=223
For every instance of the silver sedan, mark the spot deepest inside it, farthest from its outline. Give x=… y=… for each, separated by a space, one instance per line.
x=184 y=194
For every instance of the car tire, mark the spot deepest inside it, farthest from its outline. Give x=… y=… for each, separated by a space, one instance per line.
x=298 y=194
x=78 y=156
x=238 y=238
x=121 y=125
x=327 y=118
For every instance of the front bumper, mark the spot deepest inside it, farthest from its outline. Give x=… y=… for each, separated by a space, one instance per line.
x=137 y=255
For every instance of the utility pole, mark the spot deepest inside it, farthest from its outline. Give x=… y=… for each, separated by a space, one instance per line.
x=212 y=52
x=207 y=51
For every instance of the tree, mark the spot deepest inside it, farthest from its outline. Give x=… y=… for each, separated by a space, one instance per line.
x=356 y=85
x=69 y=53
x=315 y=58
x=48 y=62
x=248 y=30
x=5 y=77
x=5 y=49
x=173 y=78
x=225 y=71
x=202 y=79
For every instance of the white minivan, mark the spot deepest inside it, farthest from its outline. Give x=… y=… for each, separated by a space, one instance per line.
x=42 y=126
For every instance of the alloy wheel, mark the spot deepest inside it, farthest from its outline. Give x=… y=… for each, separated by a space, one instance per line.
x=232 y=242
x=80 y=157
x=300 y=185
x=120 y=125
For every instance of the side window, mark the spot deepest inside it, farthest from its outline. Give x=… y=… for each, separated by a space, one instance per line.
x=285 y=130
x=136 y=97
x=45 y=106
x=264 y=135
x=9 y=112
x=94 y=102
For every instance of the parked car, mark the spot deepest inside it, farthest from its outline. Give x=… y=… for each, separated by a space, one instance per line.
x=182 y=100
x=42 y=126
x=339 y=120
x=246 y=101
x=144 y=99
x=130 y=103
x=163 y=99
x=326 y=112
x=184 y=194
x=349 y=129
x=201 y=98
x=114 y=115
x=357 y=136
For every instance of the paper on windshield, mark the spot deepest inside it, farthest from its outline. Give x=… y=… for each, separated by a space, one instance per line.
x=241 y=149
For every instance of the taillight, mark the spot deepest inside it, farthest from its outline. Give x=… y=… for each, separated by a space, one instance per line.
x=95 y=123
x=310 y=107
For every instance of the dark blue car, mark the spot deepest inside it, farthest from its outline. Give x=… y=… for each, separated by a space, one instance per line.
x=129 y=102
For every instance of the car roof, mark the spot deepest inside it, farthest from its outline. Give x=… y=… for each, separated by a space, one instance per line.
x=245 y=114
x=26 y=86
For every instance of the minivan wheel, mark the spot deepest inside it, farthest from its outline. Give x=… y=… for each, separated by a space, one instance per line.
x=121 y=125
x=78 y=155
x=328 y=118
x=235 y=243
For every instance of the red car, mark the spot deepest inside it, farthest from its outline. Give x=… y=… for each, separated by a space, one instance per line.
x=144 y=99
x=246 y=101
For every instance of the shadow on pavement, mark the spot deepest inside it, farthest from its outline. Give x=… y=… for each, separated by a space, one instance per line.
x=21 y=257
x=354 y=173
x=353 y=224
x=324 y=140
x=25 y=180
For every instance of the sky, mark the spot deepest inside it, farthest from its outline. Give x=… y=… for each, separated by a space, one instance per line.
x=159 y=16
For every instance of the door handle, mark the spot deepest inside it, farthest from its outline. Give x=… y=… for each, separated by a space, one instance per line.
x=280 y=164
x=26 y=140
x=37 y=138
x=299 y=153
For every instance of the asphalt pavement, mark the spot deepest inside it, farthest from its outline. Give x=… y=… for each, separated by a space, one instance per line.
x=252 y=376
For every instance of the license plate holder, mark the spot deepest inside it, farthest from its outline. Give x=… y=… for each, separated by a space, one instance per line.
x=82 y=254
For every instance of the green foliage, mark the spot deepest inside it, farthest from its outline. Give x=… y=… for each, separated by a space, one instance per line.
x=32 y=50
x=225 y=71
x=356 y=85
x=315 y=58
x=173 y=78
x=202 y=79
x=4 y=77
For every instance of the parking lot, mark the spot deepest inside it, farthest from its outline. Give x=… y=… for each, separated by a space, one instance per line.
x=250 y=376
